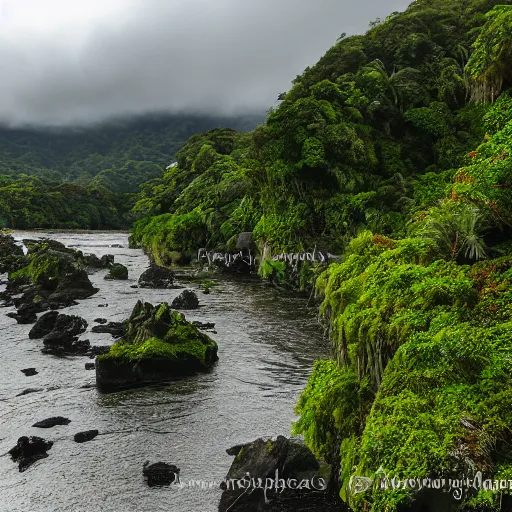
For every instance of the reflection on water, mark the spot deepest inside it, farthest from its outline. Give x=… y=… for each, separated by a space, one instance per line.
x=267 y=346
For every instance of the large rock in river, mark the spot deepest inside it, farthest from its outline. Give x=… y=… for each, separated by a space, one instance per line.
x=60 y=333
x=281 y=474
x=50 y=279
x=159 y=345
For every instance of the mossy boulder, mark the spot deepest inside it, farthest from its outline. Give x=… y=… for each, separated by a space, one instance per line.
x=117 y=271
x=159 y=345
x=49 y=279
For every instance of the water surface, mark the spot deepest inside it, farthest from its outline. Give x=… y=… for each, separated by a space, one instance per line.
x=267 y=346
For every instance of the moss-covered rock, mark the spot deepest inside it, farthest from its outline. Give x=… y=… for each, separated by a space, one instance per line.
x=50 y=278
x=159 y=345
x=117 y=271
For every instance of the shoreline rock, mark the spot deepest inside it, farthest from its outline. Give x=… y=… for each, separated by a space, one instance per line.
x=48 y=278
x=277 y=459
x=60 y=333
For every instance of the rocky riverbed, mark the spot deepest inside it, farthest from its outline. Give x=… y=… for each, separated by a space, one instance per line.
x=267 y=344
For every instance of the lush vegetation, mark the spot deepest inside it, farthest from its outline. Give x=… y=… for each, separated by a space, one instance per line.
x=365 y=138
x=88 y=178
x=393 y=151
x=29 y=202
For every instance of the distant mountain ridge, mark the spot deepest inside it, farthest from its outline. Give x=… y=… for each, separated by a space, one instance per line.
x=119 y=155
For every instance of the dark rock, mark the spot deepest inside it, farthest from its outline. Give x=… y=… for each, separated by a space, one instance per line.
x=44 y=325
x=103 y=305
x=91 y=260
x=116 y=329
x=235 y=450
x=134 y=286
x=25 y=315
x=186 y=300
x=73 y=348
x=204 y=325
x=101 y=320
x=117 y=272
x=90 y=366
x=8 y=246
x=157 y=277
x=73 y=286
x=275 y=459
x=160 y=473
x=28 y=391
x=29 y=372
x=29 y=450
x=117 y=246
x=83 y=437
x=63 y=337
x=44 y=244
x=50 y=279
x=52 y=422
x=99 y=350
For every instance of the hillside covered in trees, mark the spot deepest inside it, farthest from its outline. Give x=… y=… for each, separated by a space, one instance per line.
x=87 y=177
x=393 y=151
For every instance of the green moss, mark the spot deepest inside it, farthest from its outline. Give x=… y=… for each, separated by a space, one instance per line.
x=43 y=265
x=155 y=347
x=158 y=331
x=423 y=377
x=270 y=269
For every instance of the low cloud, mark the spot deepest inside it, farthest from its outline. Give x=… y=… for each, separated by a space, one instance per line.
x=73 y=63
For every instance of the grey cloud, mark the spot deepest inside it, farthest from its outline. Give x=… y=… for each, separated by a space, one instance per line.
x=196 y=56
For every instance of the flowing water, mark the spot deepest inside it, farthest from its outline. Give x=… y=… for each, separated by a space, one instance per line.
x=267 y=346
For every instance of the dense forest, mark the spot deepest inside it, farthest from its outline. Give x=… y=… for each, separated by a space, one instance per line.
x=88 y=177
x=392 y=152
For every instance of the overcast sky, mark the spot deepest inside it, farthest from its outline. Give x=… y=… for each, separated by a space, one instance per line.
x=66 y=62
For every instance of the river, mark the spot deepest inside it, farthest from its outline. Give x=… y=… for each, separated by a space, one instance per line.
x=267 y=346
